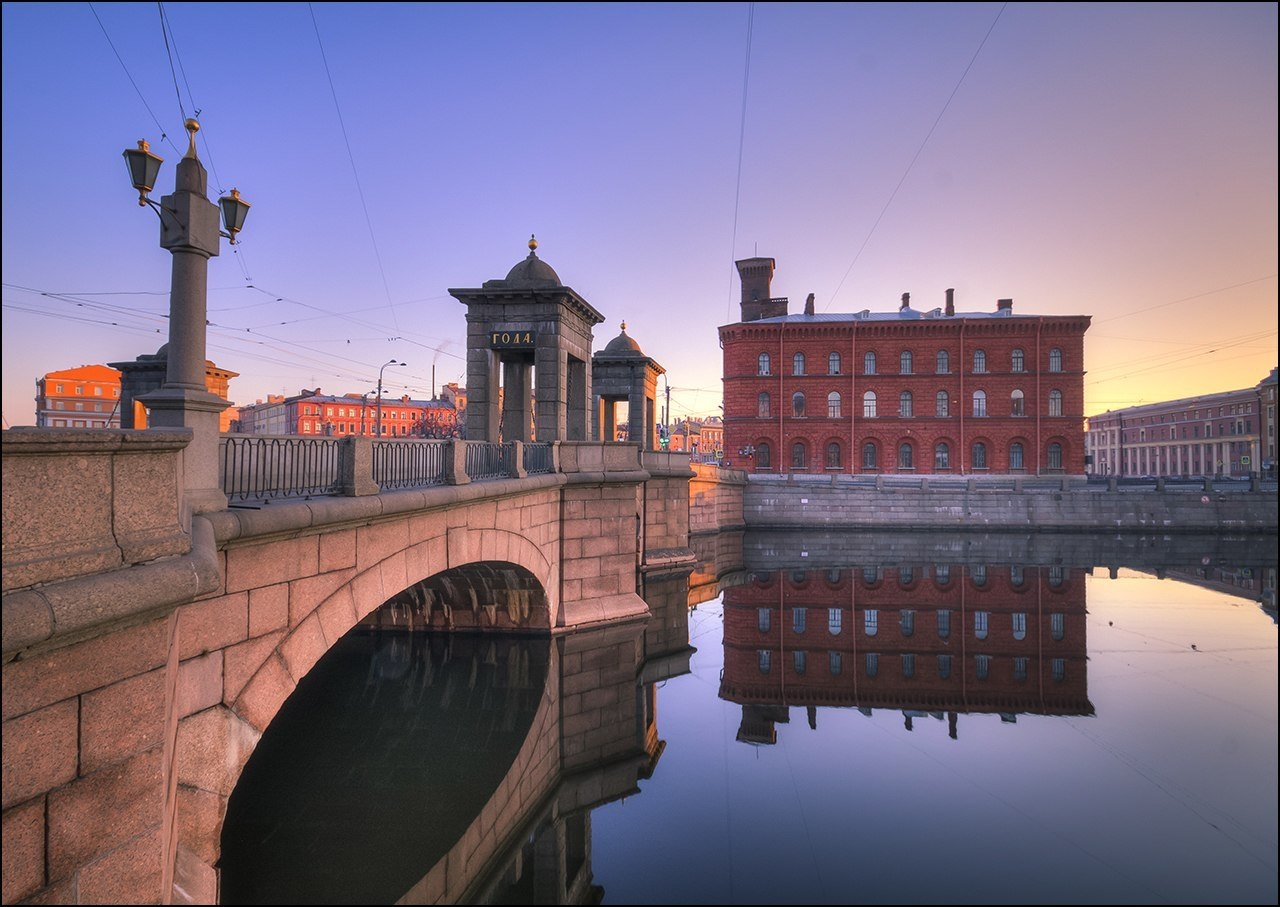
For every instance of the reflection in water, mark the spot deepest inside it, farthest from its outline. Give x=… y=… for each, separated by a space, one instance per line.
x=989 y=720
x=926 y=640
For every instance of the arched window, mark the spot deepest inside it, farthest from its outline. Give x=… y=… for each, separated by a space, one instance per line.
x=905 y=459
x=833 y=364
x=833 y=621
x=833 y=455
x=941 y=455
x=979 y=403
x=797 y=364
x=833 y=405
x=797 y=405
x=869 y=405
x=762 y=368
x=1055 y=360
x=904 y=404
x=1015 y=455
x=1019 y=361
x=979 y=456
x=798 y=458
x=869 y=363
x=1055 y=456
x=762 y=406
x=869 y=455
x=762 y=456
x=942 y=404
x=904 y=362
x=1016 y=407
x=944 y=362
x=979 y=361
x=1055 y=403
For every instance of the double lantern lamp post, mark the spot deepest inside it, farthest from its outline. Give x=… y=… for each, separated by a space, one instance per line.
x=380 y=371
x=189 y=230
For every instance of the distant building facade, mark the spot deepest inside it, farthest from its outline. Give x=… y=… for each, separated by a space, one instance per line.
x=917 y=392
x=84 y=397
x=311 y=412
x=1226 y=434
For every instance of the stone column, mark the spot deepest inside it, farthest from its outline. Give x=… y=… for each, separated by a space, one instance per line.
x=516 y=418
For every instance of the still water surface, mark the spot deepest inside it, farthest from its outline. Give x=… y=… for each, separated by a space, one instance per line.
x=1061 y=735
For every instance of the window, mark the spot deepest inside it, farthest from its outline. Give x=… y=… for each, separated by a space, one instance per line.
x=904 y=362
x=983 y=664
x=833 y=364
x=763 y=658
x=763 y=619
x=980 y=621
x=97 y=391
x=906 y=576
x=798 y=458
x=797 y=405
x=869 y=455
x=908 y=622
x=833 y=455
x=905 y=460
x=979 y=574
x=979 y=455
x=763 y=406
x=1055 y=360
x=835 y=663
x=57 y=389
x=1019 y=626
x=942 y=404
x=1015 y=455
x=869 y=405
x=833 y=405
x=1055 y=576
x=1020 y=669
x=908 y=665
x=1018 y=361
x=905 y=407
x=799 y=618
x=797 y=364
x=1057 y=626
x=869 y=363
x=870 y=575
x=979 y=403
x=1055 y=456
x=800 y=660
x=941 y=456
x=1059 y=669
x=833 y=621
x=1016 y=400
x=763 y=367
x=942 y=573
x=79 y=406
x=1016 y=576
x=873 y=664
x=79 y=390
x=944 y=363
x=762 y=456
x=944 y=666
x=871 y=622
x=979 y=361
x=944 y=624
x=1055 y=403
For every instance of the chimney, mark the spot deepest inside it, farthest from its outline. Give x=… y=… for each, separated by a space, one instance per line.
x=951 y=301
x=808 y=305
x=1004 y=305
x=906 y=301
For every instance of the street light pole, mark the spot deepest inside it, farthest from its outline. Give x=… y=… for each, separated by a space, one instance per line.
x=380 y=371
x=189 y=230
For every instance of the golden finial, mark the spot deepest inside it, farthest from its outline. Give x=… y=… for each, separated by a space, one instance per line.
x=533 y=243
x=192 y=127
x=624 y=327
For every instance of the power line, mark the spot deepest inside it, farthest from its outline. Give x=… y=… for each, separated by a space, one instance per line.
x=1161 y=305
x=742 y=133
x=164 y=136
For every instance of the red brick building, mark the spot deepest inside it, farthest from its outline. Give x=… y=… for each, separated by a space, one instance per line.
x=926 y=638
x=314 y=413
x=911 y=391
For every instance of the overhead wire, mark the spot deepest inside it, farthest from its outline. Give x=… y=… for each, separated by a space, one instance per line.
x=742 y=134
x=164 y=136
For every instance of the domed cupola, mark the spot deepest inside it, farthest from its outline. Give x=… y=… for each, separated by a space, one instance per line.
x=622 y=345
x=532 y=271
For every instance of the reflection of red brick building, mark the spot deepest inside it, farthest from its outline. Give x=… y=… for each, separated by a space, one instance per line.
x=935 y=638
x=911 y=391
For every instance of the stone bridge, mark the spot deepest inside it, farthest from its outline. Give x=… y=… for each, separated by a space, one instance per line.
x=147 y=649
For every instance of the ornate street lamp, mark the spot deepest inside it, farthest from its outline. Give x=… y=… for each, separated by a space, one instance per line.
x=189 y=230
x=380 y=371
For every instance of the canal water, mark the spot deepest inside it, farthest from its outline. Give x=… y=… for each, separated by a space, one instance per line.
x=945 y=725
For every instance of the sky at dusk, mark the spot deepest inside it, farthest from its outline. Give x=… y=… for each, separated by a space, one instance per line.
x=1113 y=160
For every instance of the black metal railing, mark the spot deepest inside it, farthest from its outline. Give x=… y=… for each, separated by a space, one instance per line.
x=537 y=458
x=257 y=466
x=408 y=464
x=486 y=460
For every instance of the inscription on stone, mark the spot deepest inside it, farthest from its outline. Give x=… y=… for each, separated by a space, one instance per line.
x=512 y=340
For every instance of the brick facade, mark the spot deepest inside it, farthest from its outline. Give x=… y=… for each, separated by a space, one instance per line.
x=916 y=392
